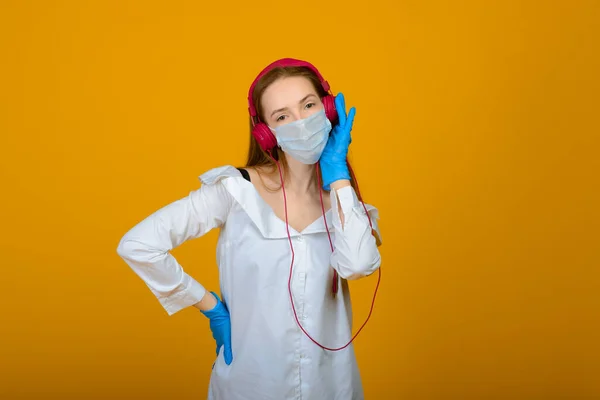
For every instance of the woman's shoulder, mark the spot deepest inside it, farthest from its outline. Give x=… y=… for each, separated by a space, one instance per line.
x=219 y=173
x=261 y=174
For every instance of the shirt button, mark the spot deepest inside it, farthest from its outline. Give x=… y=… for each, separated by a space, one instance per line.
x=300 y=238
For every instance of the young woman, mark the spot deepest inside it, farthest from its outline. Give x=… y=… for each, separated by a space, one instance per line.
x=292 y=232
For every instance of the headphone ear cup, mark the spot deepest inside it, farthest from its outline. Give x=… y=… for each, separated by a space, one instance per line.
x=330 y=111
x=263 y=135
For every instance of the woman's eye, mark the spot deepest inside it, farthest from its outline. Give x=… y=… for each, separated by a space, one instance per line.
x=280 y=118
x=309 y=105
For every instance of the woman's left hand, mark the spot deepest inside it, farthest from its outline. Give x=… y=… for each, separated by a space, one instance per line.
x=333 y=159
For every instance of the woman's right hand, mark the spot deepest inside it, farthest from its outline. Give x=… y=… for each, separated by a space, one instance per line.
x=220 y=325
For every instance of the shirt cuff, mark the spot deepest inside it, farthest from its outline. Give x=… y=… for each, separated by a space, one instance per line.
x=185 y=298
x=348 y=199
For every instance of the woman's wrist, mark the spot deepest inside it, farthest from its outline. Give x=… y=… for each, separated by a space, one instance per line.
x=207 y=303
x=340 y=183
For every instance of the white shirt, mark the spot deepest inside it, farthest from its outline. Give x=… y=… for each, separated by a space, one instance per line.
x=272 y=357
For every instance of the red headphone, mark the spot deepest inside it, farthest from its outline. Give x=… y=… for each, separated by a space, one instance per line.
x=261 y=132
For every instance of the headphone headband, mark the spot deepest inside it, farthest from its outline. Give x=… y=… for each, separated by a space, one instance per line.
x=284 y=62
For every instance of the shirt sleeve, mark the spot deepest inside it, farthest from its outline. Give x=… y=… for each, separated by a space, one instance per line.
x=356 y=243
x=146 y=247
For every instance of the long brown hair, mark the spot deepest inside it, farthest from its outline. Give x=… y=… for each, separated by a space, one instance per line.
x=257 y=157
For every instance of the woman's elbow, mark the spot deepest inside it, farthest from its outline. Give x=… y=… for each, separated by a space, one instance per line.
x=132 y=249
x=125 y=248
x=359 y=266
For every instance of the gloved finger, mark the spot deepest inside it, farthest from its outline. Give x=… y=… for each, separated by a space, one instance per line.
x=228 y=355
x=227 y=347
x=345 y=134
x=340 y=107
x=350 y=119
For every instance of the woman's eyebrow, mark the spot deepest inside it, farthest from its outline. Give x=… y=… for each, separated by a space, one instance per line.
x=306 y=98
x=278 y=110
x=300 y=102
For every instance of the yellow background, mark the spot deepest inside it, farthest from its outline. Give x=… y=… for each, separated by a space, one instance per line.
x=476 y=136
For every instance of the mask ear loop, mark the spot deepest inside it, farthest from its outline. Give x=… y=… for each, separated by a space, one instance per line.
x=330 y=242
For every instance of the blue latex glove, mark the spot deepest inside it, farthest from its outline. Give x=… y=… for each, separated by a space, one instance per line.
x=220 y=325
x=333 y=159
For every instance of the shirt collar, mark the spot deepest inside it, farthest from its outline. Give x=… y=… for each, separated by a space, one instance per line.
x=261 y=214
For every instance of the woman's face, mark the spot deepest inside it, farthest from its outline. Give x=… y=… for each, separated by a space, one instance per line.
x=289 y=99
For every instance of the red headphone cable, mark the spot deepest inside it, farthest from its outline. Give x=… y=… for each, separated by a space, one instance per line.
x=335 y=286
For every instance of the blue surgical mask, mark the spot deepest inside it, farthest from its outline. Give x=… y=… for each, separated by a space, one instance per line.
x=306 y=138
